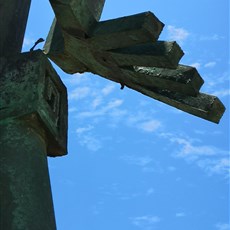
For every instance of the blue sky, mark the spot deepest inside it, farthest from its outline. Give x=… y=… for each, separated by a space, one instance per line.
x=134 y=163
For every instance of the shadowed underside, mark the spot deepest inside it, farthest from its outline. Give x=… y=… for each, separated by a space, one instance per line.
x=126 y=50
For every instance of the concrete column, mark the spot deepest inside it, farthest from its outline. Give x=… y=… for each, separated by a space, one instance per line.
x=14 y=15
x=25 y=192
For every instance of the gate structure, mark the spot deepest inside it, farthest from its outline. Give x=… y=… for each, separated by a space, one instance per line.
x=33 y=99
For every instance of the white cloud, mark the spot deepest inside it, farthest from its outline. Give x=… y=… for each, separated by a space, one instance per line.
x=134 y=160
x=150 y=191
x=96 y=102
x=129 y=196
x=91 y=142
x=222 y=226
x=210 y=64
x=143 y=122
x=72 y=109
x=145 y=222
x=79 y=93
x=150 y=126
x=28 y=42
x=171 y=168
x=146 y=163
x=192 y=152
x=215 y=166
x=87 y=139
x=214 y=37
x=76 y=79
x=108 y=108
x=108 y=89
x=84 y=129
x=180 y=214
x=113 y=104
x=222 y=93
x=209 y=158
x=197 y=65
x=177 y=34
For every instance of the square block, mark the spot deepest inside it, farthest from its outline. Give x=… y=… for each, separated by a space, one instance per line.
x=32 y=90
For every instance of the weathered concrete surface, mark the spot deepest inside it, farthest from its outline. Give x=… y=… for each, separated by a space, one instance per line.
x=25 y=194
x=77 y=17
x=14 y=15
x=183 y=79
x=202 y=105
x=125 y=31
x=126 y=50
x=30 y=87
x=159 y=54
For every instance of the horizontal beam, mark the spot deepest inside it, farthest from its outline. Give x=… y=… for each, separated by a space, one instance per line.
x=126 y=31
x=203 y=105
x=79 y=16
x=55 y=49
x=158 y=54
x=157 y=83
x=183 y=79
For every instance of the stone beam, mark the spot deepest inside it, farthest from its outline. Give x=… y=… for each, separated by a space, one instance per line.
x=183 y=79
x=158 y=54
x=203 y=105
x=126 y=50
x=77 y=17
x=125 y=31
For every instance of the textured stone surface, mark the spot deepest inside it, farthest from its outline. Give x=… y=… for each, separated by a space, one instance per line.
x=126 y=50
x=32 y=90
x=25 y=192
x=14 y=16
x=77 y=16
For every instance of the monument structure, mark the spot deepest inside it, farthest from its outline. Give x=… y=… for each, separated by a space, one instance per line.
x=33 y=99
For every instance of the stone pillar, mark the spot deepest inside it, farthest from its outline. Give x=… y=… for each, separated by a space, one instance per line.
x=25 y=192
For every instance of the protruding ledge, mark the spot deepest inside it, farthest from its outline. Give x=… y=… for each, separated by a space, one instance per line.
x=31 y=90
x=126 y=31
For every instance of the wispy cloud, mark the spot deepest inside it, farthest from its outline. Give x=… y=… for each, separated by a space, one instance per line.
x=177 y=34
x=215 y=166
x=135 y=160
x=143 y=122
x=84 y=129
x=146 y=163
x=211 y=159
x=108 y=89
x=150 y=191
x=222 y=226
x=213 y=37
x=147 y=222
x=86 y=138
x=28 y=42
x=96 y=102
x=196 y=65
x=77 y=79
x=79 y=93
x=217 y=84
x=180 y=214
x=222 y=93
x=210 y=64
x=101 y=111
x=150 y=126
x=91 y=142
x=192 y=152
